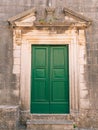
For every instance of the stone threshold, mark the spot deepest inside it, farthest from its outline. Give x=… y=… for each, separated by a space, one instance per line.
x=51 y=116
x=9 y=106
x=50 y=122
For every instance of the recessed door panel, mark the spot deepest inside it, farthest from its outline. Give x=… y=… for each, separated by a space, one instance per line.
x=56 y=94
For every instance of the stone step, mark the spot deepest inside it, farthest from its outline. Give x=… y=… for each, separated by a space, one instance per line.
x=49 y=124
x=51 y=117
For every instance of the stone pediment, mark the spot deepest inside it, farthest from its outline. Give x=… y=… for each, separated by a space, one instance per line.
x=49 y=17
x=25 y=18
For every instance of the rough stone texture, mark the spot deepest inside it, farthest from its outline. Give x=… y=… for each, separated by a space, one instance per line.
x=49 y=127
x=87 y=119
x=9 y=117
x=9 y=83
x=50 y=122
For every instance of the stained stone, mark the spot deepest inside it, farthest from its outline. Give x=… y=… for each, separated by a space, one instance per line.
x=10 y=83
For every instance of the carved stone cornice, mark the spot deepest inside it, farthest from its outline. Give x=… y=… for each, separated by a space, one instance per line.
x=50 y=17
x=25 y=18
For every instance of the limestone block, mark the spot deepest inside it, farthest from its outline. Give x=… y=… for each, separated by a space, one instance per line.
x=84 y=103
x=82 y=69
x=84 y=94
x=16 y=47
x=16 y=61
x=82 y=53
x=16 y=69
x=82 y=86
x=82 y=78
x=82 y=61
x=16 y=53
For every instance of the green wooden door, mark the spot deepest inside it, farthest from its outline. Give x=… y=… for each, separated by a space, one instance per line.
x=49 y=79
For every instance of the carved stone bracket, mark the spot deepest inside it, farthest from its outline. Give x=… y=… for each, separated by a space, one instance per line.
x=18 y=39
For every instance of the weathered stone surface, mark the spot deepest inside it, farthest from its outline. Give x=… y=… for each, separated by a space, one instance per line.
x=9 y=117
x=9 y=82
x=52 y=123
x=49 y=127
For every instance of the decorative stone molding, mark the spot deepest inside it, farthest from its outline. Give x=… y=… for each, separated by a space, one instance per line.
x=43 y=37
x=24 y=19
x=31 y=19
x=50 y=14
x=70 y=20
x=18 y=36
x=28 y=30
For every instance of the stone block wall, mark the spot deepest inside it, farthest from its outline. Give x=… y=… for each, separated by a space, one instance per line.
x=9 y=82
x=9 y=117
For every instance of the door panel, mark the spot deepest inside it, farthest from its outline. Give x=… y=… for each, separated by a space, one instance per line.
x=39 y=80
x=57 y=56
x=39 y=91
x=40 y=57
x=59 y=95
x=49 y=80
x=58 y=73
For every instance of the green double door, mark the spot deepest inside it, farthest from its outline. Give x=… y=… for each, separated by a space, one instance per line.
x=49 y=79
